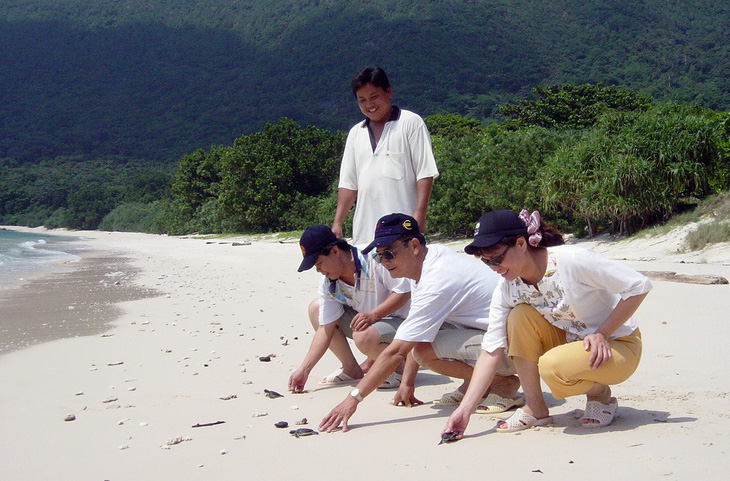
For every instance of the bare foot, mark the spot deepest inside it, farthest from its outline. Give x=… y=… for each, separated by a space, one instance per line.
x=537 y=413
x=600 y=393
x=505 y=386
x=464 y=387
x=366 y=365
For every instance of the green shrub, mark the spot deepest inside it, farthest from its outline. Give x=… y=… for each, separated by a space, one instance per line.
x=633 y=169
x=572 y=106
x=482 y=172
x=135 y=217
x=267 y=181
x=451 y=125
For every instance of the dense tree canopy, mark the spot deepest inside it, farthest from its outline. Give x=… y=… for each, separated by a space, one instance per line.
x=158 y=79
x=572 y=106
x=270 y=180
x=123 y=114
x=75 y=192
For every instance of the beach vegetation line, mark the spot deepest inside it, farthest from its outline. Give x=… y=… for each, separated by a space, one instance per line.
x=593 y=159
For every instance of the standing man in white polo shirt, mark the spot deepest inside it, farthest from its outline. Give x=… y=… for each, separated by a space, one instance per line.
x=388 y=164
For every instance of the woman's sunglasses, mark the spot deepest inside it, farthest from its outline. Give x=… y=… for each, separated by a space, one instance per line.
x=387 y=254
x=494 y=261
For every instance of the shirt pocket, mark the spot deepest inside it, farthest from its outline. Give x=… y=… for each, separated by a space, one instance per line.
x=394 y=165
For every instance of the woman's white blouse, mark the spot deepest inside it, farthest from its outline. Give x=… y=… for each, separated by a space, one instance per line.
x=577 y=293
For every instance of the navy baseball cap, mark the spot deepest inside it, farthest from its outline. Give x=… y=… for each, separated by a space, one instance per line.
x=392 y=227
x=493 y=227
x=313 y=239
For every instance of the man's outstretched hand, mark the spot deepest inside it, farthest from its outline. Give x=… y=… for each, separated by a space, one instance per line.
x=339 y=415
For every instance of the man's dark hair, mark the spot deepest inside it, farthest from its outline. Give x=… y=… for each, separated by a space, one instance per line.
x=341 y=245
x=370 y=75
x=407 y=238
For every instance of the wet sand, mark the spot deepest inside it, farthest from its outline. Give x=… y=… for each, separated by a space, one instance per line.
x=77 y=299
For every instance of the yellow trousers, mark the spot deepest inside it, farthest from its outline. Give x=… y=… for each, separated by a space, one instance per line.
x=564 y=365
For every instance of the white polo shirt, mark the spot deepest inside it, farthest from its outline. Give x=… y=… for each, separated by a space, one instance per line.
x=385 y=179
x=372 y=286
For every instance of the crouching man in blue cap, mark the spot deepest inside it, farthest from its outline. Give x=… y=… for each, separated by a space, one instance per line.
x=450 y=298
x=357 y=299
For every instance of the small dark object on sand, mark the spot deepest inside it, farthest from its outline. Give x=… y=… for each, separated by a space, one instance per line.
x=448 y=438
x=282 y=424
x=265 y=359
x=205 y=425
x=298 y=433
x=272 y=394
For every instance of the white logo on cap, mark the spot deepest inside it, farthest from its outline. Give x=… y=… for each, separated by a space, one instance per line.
x=476 y=229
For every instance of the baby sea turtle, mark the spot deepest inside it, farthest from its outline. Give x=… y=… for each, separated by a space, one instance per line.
x=448 y=437
x=272 y=394
x=265 y=358
x=282 y=424
x=297 y=433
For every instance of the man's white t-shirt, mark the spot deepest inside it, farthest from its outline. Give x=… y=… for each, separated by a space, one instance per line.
x=385 y=180
x=453 y=288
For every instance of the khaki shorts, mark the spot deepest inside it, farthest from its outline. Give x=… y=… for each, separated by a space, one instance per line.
x=456 y=344
x=386 y=327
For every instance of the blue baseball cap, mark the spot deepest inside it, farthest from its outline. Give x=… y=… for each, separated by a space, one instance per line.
x=493 y=227
x=313 y=239
x=392 y=227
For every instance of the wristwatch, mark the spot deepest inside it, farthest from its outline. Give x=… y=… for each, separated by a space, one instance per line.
x=356 y=394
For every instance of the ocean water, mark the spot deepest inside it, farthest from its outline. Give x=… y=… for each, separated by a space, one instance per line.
x=24 y=255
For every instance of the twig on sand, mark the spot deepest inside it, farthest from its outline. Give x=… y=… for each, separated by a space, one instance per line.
x=203 y=425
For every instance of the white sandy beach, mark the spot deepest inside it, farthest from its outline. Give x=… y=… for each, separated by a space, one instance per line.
x=168 y=361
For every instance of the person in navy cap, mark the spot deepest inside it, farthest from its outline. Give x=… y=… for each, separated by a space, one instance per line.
x=357 y=299
x=563 y=313
x=450 y=297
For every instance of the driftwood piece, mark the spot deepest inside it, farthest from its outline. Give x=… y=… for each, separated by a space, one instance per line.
x=203 y=425
x=686 y=278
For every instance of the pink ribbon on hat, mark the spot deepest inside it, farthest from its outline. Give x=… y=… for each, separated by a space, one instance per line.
x=532 y=222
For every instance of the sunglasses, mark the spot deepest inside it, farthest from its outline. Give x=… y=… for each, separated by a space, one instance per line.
x=495 y=261
x=387 y=254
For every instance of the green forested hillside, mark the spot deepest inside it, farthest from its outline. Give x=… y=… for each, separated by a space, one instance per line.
x=157 y=79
